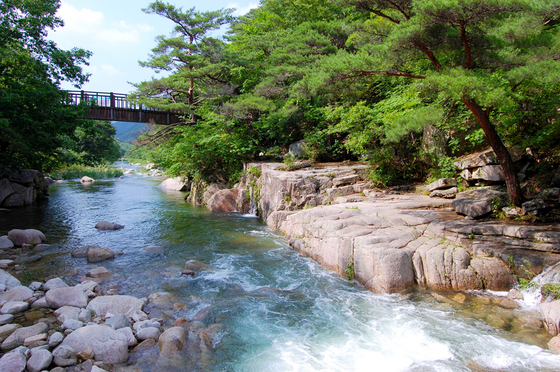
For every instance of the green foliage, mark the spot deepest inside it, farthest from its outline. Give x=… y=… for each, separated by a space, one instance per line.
x=78 y=171
x=34 y=122
x=350 y=272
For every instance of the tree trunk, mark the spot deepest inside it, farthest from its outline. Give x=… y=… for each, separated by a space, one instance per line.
x=504 y=158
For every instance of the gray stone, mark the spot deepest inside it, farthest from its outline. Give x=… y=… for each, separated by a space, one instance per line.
x=104 y=225
x=127 y=332
x=449 y=193
x=223 y=201
x=8 y=280
x=172 y=341
x=118 y=321
x=479 y=202
x=148 y=332
x=175 y=184
x=72 y=324
x=551 y=316
x=154 y=249
x=145 y=324
x=297 y=149
x=64 y=355
x=108 y=345
x=5 y=243
x=19 y=293
x=85 y=316
x=86 y=179
x=12 y=362
x=54 y=283
x=6 y=319
x=511 y=212
x=532 y=206
x=29 y=236
x=552 y=193
x=71 y=296
x=81 y=252
x=4 y=264
x=40 y=303
x=345 y=180
x=99 y=272
x=35 y=286
x=442 y=183
x=39 y=361
x=14 y=307
x=19 y=335
x=196 y=266
x=6 y=330
x=118 y=304
x=99 y=254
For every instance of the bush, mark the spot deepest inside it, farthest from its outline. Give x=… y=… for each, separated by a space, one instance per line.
x=79 y=171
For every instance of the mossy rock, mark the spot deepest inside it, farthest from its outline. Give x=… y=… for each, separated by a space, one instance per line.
x=551 y=290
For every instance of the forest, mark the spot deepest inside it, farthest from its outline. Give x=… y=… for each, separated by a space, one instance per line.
x=406 y=86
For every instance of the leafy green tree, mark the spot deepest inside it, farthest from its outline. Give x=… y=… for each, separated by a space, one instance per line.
x=475 y=53
x=33 y=117
x=93 y=142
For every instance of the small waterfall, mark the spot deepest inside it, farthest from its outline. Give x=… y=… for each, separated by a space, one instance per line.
x=532 y=295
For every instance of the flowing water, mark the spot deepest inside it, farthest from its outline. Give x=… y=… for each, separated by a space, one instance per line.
x=269 y=308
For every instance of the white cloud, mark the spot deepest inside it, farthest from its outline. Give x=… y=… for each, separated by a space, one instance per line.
x=110 y=69
x=241 y=11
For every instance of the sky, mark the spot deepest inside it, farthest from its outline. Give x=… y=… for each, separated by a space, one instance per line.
x=119 y=35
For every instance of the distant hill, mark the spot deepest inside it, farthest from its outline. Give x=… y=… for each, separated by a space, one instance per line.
x=127 y=131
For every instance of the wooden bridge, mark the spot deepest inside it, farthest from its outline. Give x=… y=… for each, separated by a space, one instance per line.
x=114 y=107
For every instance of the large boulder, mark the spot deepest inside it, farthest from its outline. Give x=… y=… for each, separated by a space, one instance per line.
x=479 y=202
x=70 y=296
x=551 y=316
x=8 y=280
x=104 y=225
x=29 y=236
x=223 y=201
x=107 y=344
x=211 y=190
x=118 y=304
x=99 y=254
x=442 y=183
x=175 y=184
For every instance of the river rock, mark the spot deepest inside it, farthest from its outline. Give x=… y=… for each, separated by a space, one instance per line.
x=8 y=280
x=108 y=345
x=29 y=236
x=99 y=272
x=175 y=184
x=54 y=283
x=195 y=265
x=118 y=304
x=223 y=201
x=19 y=335
x=154 y=249
x=104 y=225
x=72 y=324
x=127 y=332
x=532 y=207
x=554 y=344
x=6 y=243
x=6 y=319
x=39 y=361
x=71 y=296
x=14 y=307
x=99 y=254
x=55 y=339
x=171 y=341
x=86 y=179
x=148 y=332
x=118 y=321
x=551 y=316
x=64 y=355
x=19 y=293
x=67 y=312
x=7 y=329
x=13 y=362
x=442 y=183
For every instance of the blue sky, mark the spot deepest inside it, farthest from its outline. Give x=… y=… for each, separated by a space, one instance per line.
x=119 y=34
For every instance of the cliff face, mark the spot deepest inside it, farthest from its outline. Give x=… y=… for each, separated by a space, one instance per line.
x=388 y=241
x=19 y=188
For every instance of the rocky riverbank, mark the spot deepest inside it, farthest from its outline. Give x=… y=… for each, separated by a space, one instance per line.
x=88 y=326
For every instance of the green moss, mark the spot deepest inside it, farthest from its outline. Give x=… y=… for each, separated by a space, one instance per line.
x=551 y=290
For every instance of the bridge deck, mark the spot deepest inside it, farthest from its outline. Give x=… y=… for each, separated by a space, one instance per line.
x=114 y=107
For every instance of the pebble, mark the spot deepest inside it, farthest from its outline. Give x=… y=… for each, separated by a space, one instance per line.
x=55 y=339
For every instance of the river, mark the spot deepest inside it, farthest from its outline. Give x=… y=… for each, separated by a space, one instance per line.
x=271 y=309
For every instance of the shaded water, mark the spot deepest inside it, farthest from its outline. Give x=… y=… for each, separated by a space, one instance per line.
x=270 y=309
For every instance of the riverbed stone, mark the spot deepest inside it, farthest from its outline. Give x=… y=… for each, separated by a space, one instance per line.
x=40 y=360
x=175 y=184
x=99 y=254
x=55 y=339
x=19 y=293
x=5 y=243
x=19 y=335
x=8 y=280
x=118 y=321
x=13 y=362
x=172 y=341
x=71 y=296
x=87 y=179
x=195 y=265
x=551 y=316
x=64 y=355
x=14 y=307
x=148 y=332
x=118 y=304
x=108 y=345
x=554 y=344
x=54 y=283
x=99 y=272
x=479 y=202
x=6 y=330
x=127 y=332
x=223 y=201
x=72 y=324
x=6 y=319
x=449 y=193
x=104 y=225
x=154 y=250
x=28 y=236
x=442 y=183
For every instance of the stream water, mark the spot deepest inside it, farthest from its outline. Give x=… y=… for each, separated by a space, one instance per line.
x=271 y=309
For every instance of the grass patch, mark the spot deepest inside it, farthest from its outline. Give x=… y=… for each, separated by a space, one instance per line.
x=78 y=171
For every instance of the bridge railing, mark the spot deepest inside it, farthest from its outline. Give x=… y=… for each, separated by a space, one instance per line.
x=103 y=99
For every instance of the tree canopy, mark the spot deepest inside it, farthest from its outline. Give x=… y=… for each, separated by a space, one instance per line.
x=383 y=81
